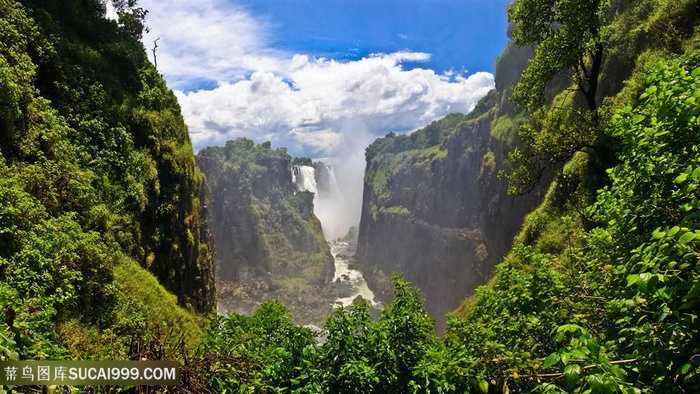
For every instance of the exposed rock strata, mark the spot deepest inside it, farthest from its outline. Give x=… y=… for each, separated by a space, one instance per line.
x=437 y=212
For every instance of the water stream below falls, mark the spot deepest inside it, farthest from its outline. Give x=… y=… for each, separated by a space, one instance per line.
x=348 y=283
x=347 y=279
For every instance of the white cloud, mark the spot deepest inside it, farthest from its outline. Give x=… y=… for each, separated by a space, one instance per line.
x=307 y=108
x=207 y=40
x=110 y=12
x=294 y=100
x=315 y=107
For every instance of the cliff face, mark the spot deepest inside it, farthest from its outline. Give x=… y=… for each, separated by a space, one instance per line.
x=268 y=243
x=92 y=129
x=433 y=207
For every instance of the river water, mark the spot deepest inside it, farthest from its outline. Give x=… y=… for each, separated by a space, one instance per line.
x=349 y=281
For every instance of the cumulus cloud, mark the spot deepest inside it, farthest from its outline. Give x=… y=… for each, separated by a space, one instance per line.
x=307 y=107
x=232 y=83
x=293 y=100
x=208 y=41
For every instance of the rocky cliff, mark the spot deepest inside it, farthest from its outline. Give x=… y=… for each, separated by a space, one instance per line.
x=433 y=206
x=268 y=242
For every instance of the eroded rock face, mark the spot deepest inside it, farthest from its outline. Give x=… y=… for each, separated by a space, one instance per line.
x=268 y=243
x=436 y=211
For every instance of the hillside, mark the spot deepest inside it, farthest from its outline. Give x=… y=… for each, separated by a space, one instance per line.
x=98 y=186
x=433 y=206
x=598 y=292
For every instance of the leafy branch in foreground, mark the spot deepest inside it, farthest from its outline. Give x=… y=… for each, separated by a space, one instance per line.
x=651 y=213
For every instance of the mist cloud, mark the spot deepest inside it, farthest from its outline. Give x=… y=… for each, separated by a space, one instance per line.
x=231 y=82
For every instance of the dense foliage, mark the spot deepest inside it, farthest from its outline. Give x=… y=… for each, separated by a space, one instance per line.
x=600 y=294
x=98 y=186
x=353 y=354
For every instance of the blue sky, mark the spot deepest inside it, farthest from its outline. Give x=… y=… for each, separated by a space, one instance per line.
x=461 y=35
x=323 y=78
x=389 y=65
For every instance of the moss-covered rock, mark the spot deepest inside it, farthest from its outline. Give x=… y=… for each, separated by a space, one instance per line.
x=433 y=206
x=264 y=228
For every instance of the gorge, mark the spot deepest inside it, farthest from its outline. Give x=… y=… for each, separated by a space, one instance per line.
x=432 y=207
x=268 y=214
x=117 y=242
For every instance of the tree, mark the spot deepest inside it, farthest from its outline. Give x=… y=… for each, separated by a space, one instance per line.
x=568 y=38
x=348 y=352
x=131 y=18
x=404 y=336
x=568 y=35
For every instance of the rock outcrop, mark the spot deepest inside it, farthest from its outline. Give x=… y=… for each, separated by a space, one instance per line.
x=268 y=242
x=433 y=206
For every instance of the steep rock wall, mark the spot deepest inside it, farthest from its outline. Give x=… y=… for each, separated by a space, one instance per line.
x=268 y=242
x=433 y=206
x=91 y=76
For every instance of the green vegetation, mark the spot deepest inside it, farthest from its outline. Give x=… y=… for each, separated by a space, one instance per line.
x=267 y=353
x=101 y=235
x=398 y=210
x=610 y=309
x=570 y=40
x=395 y=155
x=505 y=128
x=98 y=186
x=488 y=163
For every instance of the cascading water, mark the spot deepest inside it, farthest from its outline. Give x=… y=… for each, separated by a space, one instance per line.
x=322 y=182
x=305 y=179
x=347 y=276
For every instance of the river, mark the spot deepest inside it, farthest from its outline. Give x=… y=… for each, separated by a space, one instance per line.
x=348 y=281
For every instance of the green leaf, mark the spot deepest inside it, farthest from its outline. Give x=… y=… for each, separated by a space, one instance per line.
x=484 y=386
x=696 y=173
x=686 y=368
x=681 y=178
x=551 y=360
x=571 y=374
x=565 y=358
x=658 y=233
x=594 y=348
x=570 y=328
x=685 y=238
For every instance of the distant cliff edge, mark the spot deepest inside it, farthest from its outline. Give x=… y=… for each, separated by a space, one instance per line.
x=433 y=207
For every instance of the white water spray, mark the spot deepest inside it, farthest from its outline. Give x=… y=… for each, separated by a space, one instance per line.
x=328 y=204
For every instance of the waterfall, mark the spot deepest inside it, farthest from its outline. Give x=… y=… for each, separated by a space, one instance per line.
x=305 y=178
x=333 y=188
x=321 y=180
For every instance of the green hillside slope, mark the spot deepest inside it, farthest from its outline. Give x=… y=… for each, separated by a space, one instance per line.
x=98 y=186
